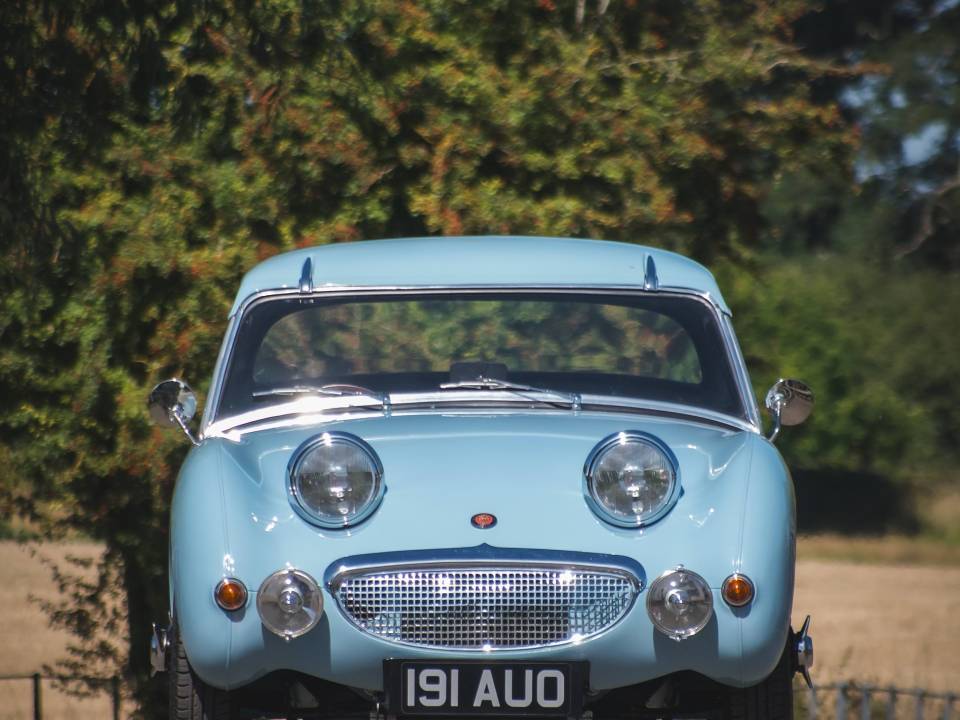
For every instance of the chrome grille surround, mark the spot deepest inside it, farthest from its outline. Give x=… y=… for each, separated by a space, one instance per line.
x=485 y=606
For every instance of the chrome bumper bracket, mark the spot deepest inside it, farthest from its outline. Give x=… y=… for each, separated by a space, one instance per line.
x=802 y=645
x=159 y=645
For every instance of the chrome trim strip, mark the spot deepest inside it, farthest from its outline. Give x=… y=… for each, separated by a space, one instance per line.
x=300 y=407
x=481 y=556
x=606 y=403
x=219 y=370
x=335 y=290
x=589 y=489
x=739 y=364
x=314 y=410
x=223 y=361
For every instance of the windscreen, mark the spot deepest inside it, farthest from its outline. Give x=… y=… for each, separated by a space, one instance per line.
x=666 y=348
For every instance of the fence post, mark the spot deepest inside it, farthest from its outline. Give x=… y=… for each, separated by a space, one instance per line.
x=37 y=699
x=948 y=705
x=842 y=701
x=115 y=694
x=812 y=703
x=865 y=697
x=891 y=703
x=918 y=704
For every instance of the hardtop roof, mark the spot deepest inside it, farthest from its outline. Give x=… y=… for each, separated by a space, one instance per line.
x=479 y=261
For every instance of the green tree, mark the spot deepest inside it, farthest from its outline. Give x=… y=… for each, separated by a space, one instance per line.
x=904 y=101
x=152 y=152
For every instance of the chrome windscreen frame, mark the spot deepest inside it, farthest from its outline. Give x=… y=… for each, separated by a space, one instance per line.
x=731 y=348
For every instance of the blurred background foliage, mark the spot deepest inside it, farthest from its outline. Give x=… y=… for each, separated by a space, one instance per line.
x=151 y=152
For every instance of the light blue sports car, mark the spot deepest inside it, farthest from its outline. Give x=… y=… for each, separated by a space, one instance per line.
x=507 y=476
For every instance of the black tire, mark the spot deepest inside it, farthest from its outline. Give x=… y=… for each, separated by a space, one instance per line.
x=772 y=699
x=190 y=697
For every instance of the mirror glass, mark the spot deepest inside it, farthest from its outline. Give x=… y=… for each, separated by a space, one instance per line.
x=172 y=399
x=792 y=399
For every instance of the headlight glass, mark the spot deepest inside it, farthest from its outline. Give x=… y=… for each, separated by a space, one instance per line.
x=632 y=479
x=679 y=603
x=289 y=603
x=336 y=480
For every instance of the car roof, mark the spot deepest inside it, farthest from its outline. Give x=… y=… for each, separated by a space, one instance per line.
x=481 y=261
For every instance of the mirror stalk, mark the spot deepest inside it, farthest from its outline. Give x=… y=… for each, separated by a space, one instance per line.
x=186 y=429
x=775 y=416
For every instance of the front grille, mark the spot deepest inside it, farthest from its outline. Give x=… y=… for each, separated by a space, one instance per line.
x=480 y=608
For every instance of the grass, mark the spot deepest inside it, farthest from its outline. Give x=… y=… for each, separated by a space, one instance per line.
x=891 y=550
x=882 y=624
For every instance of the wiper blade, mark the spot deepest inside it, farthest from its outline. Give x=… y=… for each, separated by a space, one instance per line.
x=326 y=390
x=487 y=383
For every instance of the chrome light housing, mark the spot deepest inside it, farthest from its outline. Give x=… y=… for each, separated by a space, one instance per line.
x=289 y=603
x=679 y=603
x=632 y=479
x=336 y=480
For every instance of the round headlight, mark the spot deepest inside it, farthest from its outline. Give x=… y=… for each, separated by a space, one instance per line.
x=632 y=479
x=289 y=603
x=336 y=480
x=679 y=603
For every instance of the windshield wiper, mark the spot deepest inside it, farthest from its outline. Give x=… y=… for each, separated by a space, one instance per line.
x=326 y=390
x=487 y=383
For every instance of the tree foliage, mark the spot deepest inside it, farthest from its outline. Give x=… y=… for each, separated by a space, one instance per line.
x=153 y=151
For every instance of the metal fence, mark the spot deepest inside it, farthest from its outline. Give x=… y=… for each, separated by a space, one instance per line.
x=109 y=685
x=862 y=701
x=829 y=701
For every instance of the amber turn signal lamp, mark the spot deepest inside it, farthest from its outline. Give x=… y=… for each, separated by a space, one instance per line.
x=737 y=590
x=230 y=594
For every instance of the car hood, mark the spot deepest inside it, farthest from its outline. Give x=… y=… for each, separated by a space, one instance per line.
x=526 y=468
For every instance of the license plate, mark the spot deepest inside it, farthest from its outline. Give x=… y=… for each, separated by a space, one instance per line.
x=484 y=688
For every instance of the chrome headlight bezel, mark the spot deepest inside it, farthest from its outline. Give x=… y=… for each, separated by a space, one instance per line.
x=597 y=454
x=316 y=444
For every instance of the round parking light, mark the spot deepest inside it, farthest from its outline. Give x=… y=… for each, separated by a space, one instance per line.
x=679 y=603
x=290 y=603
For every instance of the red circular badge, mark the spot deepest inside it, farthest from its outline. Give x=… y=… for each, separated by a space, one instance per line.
x=483 y=520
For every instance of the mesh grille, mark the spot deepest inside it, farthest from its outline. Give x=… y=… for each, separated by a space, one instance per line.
x=479 y=608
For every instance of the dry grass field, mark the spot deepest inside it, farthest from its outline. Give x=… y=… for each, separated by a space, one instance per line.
x=884 y=611
x=26 y=639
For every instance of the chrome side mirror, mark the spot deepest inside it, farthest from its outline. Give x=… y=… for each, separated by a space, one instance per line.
x=790 y=402
x=172 y=403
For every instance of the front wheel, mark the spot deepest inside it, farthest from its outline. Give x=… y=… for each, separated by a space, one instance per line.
x=190 y=697
x=771 y=699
